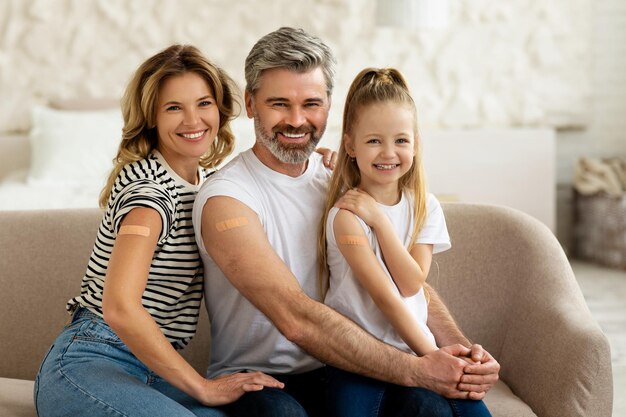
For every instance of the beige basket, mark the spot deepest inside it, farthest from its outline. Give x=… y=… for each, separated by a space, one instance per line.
x=600 y=229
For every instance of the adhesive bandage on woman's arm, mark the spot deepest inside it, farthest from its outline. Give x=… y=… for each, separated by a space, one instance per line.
x=231 y=224
x=134 y=230
x=354 y=240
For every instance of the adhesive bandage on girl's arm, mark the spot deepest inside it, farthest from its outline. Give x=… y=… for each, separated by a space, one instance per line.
x=231 y=223
x=134 y=230
x=354 y=240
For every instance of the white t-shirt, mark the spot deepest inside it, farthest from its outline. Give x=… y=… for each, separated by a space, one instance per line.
x=242 y=338
x=347 y=295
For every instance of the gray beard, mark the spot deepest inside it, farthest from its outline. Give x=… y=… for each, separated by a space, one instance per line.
x=287 y=154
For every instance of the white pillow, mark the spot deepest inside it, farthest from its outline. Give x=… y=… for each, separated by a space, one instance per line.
x=73 y=147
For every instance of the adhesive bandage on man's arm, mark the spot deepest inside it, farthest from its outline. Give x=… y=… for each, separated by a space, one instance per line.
x=231 y=224
x=353 y=240
x=134 y=230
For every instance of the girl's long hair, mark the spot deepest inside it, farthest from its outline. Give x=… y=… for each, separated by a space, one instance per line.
x=140 y=101
x=372 y=86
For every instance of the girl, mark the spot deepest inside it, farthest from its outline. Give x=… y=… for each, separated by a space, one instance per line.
x=378 y=236
x=141 y=294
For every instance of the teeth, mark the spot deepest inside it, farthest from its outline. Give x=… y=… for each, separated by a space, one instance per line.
x=192 y=135
x=294 y=135
x=381 y=166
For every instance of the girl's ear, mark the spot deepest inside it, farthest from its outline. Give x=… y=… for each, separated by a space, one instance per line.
x=348 y=145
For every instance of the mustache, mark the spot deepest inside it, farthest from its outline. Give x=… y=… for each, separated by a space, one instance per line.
x=284 y=128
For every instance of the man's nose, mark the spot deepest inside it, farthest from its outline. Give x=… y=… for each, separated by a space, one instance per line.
x=295 y=117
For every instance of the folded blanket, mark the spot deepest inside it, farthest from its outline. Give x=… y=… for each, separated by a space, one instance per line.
x=594 y=176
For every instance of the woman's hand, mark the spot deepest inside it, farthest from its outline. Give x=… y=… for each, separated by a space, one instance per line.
x=228 y=388
x=328 y=156
x=363 y=205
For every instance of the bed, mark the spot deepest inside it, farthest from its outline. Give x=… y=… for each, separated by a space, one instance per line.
x=64 y=160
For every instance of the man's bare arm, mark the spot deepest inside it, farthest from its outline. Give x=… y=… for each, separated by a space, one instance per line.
x=248 y=260
x=478 y=378
x=441 y=323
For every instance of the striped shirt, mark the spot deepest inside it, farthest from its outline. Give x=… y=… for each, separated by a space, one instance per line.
x=174 y=288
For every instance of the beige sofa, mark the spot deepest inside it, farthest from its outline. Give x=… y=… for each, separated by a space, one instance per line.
x=506 y=280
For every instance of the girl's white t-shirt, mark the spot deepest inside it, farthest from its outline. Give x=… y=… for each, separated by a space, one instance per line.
x=347 y=296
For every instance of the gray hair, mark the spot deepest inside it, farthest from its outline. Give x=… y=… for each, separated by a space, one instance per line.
x=289 y=48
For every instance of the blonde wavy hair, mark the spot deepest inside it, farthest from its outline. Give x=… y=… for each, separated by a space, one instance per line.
x=139 y=108
x=372 y=86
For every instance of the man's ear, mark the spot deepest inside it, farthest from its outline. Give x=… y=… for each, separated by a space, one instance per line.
x=247 y=97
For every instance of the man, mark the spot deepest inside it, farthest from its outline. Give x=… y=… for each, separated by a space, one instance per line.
x=256 y=225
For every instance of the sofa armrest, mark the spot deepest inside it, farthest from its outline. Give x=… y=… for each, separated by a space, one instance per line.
x=555 y=356
x=510 y=286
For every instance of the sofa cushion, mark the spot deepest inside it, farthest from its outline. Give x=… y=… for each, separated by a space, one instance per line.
x=502 y=402
x=16 y=398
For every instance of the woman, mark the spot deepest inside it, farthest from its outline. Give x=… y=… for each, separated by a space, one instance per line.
x=141 y=294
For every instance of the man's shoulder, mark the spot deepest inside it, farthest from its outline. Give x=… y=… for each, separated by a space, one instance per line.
x=317 y=160
x=234 y=180
x=321 y=173
x=236 y=170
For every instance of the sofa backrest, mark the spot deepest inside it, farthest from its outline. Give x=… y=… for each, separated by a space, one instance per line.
x=43 y=256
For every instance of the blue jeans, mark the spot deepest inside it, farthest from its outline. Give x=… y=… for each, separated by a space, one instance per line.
x=302 y=396
x=89 y=371
x=354 y=395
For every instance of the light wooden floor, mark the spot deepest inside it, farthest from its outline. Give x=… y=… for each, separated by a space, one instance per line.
x=605 y=292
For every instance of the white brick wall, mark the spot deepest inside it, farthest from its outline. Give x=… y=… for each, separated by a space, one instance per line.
x=514 y=63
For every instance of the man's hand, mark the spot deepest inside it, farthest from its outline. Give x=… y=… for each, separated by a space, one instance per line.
x=328 y=156
x=441 y=371
x=479 y=377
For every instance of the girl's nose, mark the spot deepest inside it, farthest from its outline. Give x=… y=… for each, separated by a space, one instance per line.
x=388 y=151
